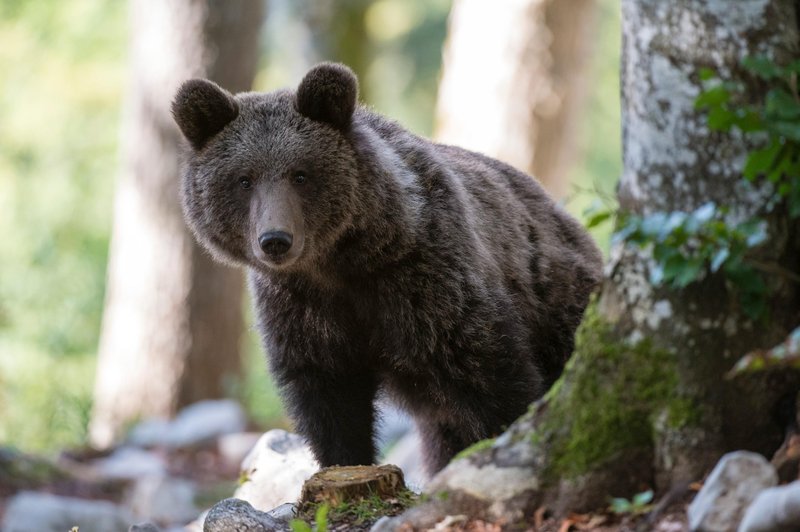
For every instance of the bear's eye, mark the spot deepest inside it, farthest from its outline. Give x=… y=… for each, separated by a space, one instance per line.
x=245 y=183
x=299 y=178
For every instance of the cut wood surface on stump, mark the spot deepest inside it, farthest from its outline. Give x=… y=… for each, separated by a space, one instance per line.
x=338 y=484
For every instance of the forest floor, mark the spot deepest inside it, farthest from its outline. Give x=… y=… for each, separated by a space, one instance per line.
x=215 y=479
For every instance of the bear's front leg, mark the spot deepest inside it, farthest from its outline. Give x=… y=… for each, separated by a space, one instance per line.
x=335 y=413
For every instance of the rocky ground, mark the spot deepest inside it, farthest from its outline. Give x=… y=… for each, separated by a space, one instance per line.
x=168 y=474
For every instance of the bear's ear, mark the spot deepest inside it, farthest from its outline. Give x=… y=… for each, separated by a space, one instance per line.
x=201 y=109
x=328 y=93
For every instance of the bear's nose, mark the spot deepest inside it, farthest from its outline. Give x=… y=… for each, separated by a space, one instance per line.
x=275 y=243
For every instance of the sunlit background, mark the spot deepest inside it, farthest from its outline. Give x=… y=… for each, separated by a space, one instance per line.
x=63 y=72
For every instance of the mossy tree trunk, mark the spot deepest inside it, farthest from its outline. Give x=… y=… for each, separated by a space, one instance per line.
x=646 y=397
x=514 y=82
x=644 y=402
x=172 y=319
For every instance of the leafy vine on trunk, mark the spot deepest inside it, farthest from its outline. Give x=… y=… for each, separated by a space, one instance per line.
x=687 y=246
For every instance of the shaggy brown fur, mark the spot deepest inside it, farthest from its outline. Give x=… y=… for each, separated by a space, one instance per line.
x=381 y=262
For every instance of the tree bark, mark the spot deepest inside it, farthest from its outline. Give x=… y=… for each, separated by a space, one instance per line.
x=172 y=321
x=513 y=82
x=672 y=162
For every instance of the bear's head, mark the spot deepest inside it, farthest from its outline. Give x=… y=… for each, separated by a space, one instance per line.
x=270 y=179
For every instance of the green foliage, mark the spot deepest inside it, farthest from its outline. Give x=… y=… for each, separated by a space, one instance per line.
x=639 y=504
x=320 y=521
x=776 y=119
x=688 y=245
x=61 y=69
x=359 y=511
x=45 y=401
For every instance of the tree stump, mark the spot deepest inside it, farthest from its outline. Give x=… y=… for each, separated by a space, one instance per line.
x=338 y=484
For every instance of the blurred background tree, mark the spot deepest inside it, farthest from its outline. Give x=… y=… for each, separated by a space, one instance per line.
x=63 y=72
x=172 y=320
x=536 y=93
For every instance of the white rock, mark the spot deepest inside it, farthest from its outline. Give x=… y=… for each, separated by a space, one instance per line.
x=233 y=448
x=163 y=499
x=42 y=512
x=774 y=510
x=733 y=484
x=129 y=463
x=275 y=470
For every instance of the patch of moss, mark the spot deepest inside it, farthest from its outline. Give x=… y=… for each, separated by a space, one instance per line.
x=475 y=447
x=362 y=511
x=606 y=400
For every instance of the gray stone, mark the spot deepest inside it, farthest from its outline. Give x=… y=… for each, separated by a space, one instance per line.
x=285 y=512
x=149 y=433
x=239 y=515
x=275 y=470
x=128 y=463
x=384 y=524
x=162 y=499
x=204 y=421
x=774 y=510
x=730 y=488
x=41 y=512
x=144 y=527
x=196 y=424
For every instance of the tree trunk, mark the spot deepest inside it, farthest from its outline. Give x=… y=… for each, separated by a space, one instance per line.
x=672 y=162
x=644 y=401
x=338 y=33
x=661 y=412
x=172 y=322
x=513 y=82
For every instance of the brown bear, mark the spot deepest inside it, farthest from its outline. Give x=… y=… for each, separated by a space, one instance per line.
x=382 y=263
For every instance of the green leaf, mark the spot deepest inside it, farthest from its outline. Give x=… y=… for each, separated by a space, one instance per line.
x=640 y=499
x=299 y=526
x=720 y=119
x=788 y=129
x=598 y=218
x=651 y=225
x=689 y=272
x=758 y=235
x=713 y=97
x=621 y=506
x=779 y=104
x=748 y=120
x=705 y=212
x=719 y=258
x=321 y=518
x=706 y=73
x=760 y=161
x=762 y=66
x=625 y=232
